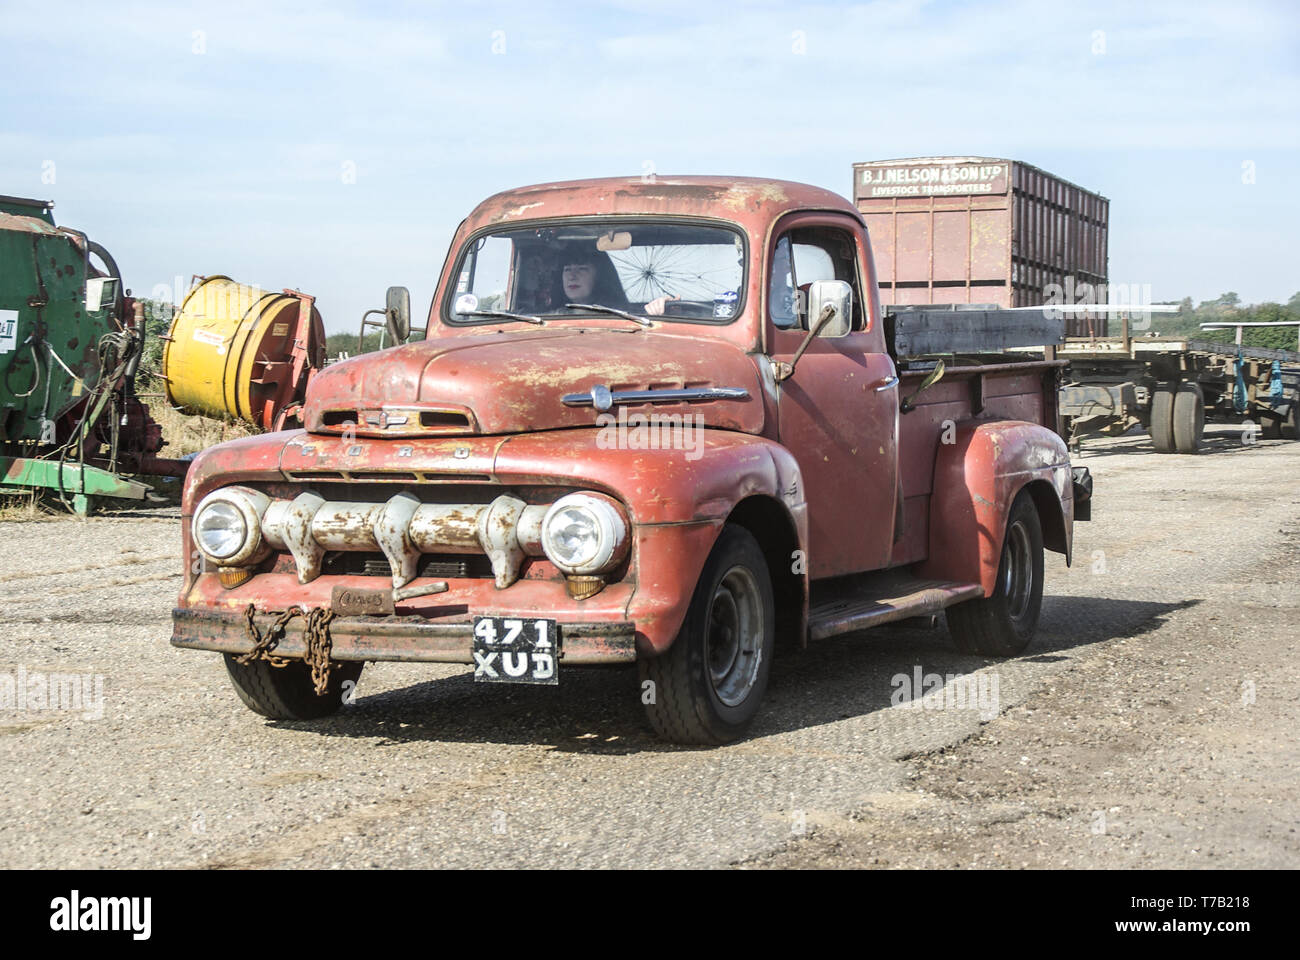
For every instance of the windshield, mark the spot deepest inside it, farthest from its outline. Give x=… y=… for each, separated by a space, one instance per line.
x=666 y=270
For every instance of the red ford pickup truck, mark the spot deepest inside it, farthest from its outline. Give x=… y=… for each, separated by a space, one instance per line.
x=658 y=422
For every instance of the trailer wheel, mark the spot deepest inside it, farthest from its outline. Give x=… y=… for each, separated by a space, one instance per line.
x=1162 y=417
x=1270 y=429
x=287 y=693
x=707 y=687
x=1189 y=417
x=1001 y=625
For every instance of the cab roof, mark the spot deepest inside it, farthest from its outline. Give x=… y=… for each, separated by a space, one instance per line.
x=752 y=201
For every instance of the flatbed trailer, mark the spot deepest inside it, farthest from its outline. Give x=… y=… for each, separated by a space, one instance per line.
x=1172 y=385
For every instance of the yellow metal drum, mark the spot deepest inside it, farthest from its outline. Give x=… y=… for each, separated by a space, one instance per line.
x=239 y=351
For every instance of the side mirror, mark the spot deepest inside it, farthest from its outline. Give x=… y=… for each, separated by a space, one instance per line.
x=836 y=293
x=782 y=371
x=397 y=313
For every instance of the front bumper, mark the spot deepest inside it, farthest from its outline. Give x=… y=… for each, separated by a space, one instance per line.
x=410 y=639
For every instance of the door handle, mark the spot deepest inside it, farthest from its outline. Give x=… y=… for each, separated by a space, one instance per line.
x=887 y=384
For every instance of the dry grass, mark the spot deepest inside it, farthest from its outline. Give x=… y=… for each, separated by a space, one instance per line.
x=25 y=507
x=184 y=434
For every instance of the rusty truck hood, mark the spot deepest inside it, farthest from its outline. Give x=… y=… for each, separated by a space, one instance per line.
x=514 y=382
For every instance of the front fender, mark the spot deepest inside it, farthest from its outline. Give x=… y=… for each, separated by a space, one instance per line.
x=701 y=481
x=678 y=501
x=976 y=478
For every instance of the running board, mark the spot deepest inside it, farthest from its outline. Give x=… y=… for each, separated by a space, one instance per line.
x=885 y=602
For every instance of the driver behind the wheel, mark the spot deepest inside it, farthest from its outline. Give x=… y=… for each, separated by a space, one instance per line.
x=587 y=275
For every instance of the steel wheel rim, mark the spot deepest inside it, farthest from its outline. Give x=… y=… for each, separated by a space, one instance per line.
x=1017 y=571
x=734 y=636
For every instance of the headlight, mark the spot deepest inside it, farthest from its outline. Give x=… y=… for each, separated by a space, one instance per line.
x=220 y=530
x=584 y=534
x=227 y=525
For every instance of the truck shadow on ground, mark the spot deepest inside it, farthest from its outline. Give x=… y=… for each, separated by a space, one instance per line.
x=599 y=711
x=1218 y=438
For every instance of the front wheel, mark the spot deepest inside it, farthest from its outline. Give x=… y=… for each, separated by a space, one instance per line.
x=287 y=693
x=1001 y=625
x=707 y=687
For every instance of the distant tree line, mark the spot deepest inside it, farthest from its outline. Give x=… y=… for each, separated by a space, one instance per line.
x=157 y=321
x=339 y=343
x=1228 y=308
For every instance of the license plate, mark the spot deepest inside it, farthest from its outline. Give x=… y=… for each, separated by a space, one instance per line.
x=516 y=650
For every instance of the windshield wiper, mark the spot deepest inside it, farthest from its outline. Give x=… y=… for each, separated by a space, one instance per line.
x=601 y=308
x=504 y=315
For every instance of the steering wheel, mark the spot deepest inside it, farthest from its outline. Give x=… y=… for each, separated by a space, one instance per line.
x=691 y=309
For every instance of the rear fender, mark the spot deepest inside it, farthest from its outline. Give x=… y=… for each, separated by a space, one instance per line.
x=976 y=479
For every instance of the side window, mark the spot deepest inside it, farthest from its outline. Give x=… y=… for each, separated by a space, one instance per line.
x=813 y=262
x=802 y=256
x=781 y=295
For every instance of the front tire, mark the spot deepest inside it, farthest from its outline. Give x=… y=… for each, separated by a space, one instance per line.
x=707 y=687
x=287 y=693
x=1003 y=624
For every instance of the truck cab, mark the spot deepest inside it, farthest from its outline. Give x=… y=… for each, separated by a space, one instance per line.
x=660 y=422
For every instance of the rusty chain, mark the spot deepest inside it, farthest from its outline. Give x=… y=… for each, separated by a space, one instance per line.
x=316 y=642
x=263 y=643
x=317 y=646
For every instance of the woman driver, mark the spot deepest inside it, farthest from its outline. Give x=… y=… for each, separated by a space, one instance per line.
x=587 y=275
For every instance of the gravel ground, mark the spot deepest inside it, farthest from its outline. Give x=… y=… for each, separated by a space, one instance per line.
x=1152 y=724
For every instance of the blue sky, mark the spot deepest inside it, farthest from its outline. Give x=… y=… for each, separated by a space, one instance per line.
x=220 y=138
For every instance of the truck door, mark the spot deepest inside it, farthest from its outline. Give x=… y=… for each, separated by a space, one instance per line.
x=838 y=413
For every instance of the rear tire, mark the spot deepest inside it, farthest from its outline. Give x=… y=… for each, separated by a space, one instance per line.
x=287 y=693
x=1002 y=625
x=707 y=687
x=1189 y=417
x=1270 y=429
x=1162 y=418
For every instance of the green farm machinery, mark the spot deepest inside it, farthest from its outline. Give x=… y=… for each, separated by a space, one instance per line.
x=71 y=339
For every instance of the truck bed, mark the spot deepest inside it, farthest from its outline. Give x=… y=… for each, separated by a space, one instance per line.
x=987 y=387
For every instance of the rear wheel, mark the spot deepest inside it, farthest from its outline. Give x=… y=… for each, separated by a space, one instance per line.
x=287 y=693
x=1270 y=428
x=1002 y=625
x=1189 y=417
x=707 y=687
x=1162 y=417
